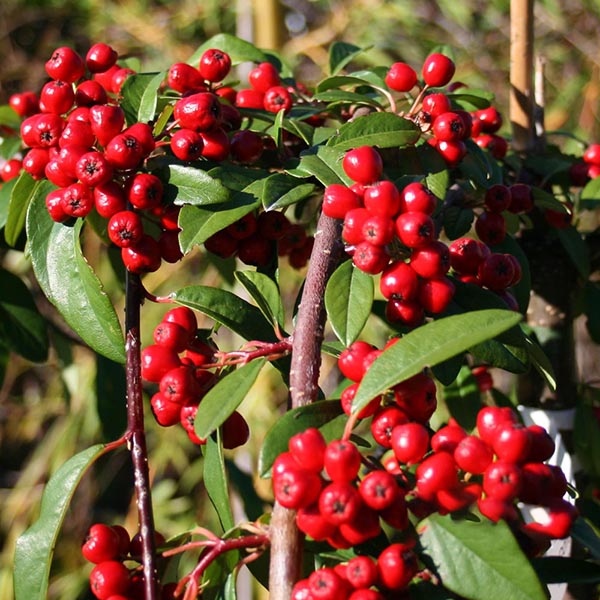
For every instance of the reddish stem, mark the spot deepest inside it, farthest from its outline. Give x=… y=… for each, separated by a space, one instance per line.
x=136 y=436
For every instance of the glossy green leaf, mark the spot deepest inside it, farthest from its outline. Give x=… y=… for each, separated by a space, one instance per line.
x=382 y=129
x=429 y=345
x=348 y=301
x=5 y=194
x=333 y=97
x=576 y=248
x=338 y=81
x=227 y=309
x=9 y=117
x=438 y=183
x=215 y=481
x=463 y=398
x=514 y=359
x=585 y=534
x=473 y=567
x=239 y=50
x=190 y=185
x=560 y=569
x=324 y=163
x=137 y=92
x=457 y=221
x=222 y=399
x=340 y=54
x=198 y=224
x=22 y=327
x=473 y=99
x=541 y=362
x=545 y=200
x=265 y=292
x=590 y=194
x=70 y=283
x=281 y=190
x=23 y=193
x=237 y=177
x=35 y=547
x=326 y=415
x=149 y=99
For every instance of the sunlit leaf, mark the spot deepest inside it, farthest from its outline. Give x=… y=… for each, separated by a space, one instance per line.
x=190 y=185
x=24 y=191
x=265 y=292
x=215 y=481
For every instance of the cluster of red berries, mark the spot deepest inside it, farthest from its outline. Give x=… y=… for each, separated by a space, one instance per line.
x=450 y=127
x=341 y=498
x=379 y=221
x=473 y=262
x=108 y=547
x=361 y=577
x=256 y=239
x=184 y=381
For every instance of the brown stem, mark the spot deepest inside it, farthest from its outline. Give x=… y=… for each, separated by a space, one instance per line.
x=136 y=433
x=286 y=540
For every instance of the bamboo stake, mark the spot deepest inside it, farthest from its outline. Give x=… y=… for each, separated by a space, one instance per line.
x=522 y=103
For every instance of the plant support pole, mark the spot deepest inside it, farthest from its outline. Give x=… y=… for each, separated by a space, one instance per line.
x=522 y=101
x=136 y=436
x=286 y=540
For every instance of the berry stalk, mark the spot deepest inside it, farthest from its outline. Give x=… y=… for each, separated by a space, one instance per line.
x=286 y=540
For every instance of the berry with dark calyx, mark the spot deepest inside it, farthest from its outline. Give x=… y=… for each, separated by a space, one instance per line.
x=502 y=480
x=93 y=169
x=417 y=397
x=490 y=417
x=363 y=165
x=326 y=584
x=379 y=490
x=296 y=487
x=399 y=280
x=339 y=502
x=42 y=130
x=378 y=230
x=431 y=261
x=497 y=271
x=415 y=197
x=184 y=317
x=272 y=224
x=100 y=57
x=124 y=151
x=308 y=448
x=338 y=200
x=342 y=460
x=362 y=572
x=77 y=200
x=263 y=77
x=383 y=423
x=101 y=544
x=370 y=258
x=466 y=254
x=438 y=70
x=109 y=578
x=187 y=144
x=214 y=65
x=200 y=112
x=490 y=119
x=184 y=78
x=125 y=228
x=415 y=229
x=277 y=98
x=56 y=97
x=497 y=198
x=521 y=198
x=255 y=250
x=365 y=526
x=435 y=104
x=179 y=385
x=449 y=127
x=142 y=132
x=401 y=77
x=145 y=191
x=65 y=65
x=187 y=418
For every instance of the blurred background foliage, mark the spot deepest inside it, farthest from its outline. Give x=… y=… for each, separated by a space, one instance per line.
x=48 y=412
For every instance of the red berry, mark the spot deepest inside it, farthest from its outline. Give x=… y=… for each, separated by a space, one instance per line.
x=437 y=472
x=447 y=438
x=109 y=199
x=378 y=230
x=100 y=58
x=109 y=578
x=491 y=228
x=397 y=566
x=415 y=197
x=401 y=77
x=65 y=65
x=165 y=412
x=56 y=97
x=410 y=442
x=339 y=503
x=497 y=198
x=431 y=261
x=246 y=147
x=383 y=423
x=308 y=448
x=124 y=151
x=399 y=281
x=511 y=442
x=363 y=165
x=101 y=544
x=249 y=98
x=438 y=70
x=263 y=77
x=435 y=104
x=342 y=460
x=157 y=361
x=449 y=127
x=311 y=522
x=90 y=93
x=351 y=361
x=296 y=487
x=277 y=98
x=383 y=199
x=521 y=198
x=338 y=200
x=435 y=294
x=200 y=112
x=214 y=65
x=354 y=220
x=145 y=191
x=473 y=455
x=184 y=78
x=215 y=144
x=415 y=229
x=489 y=418
x=125 y=228
x=187 y=144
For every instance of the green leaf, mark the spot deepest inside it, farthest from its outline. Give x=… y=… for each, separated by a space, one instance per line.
x=348 y=300
x=590 y=194
x=239 y=50
x=540 y=361
x=333 y=97
x=438 y=183
x=382 y=129
x=222 y=399
x=281 y=190
x=149 y=99
x=471 y=565
x=23 y=193
x=70 y=283
x=5 y=194
x=473 y=99
x=338 y=81
x=340 y=54
x=35 y=547
x=586 y=535
x=191 y=185
x=563 y=569
x=324 y=163
x=429 y=345
x=227 y=309
x=215 y=481
x=9 y=117
x=198 y=224
x=237 y=177
x=463 y=399
x=514 y=359
x=457 y=221
x=326 y=415
x=576 y=248
x=137 y=92
x=545 y=200
x=265 y=292
x=23 y=328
